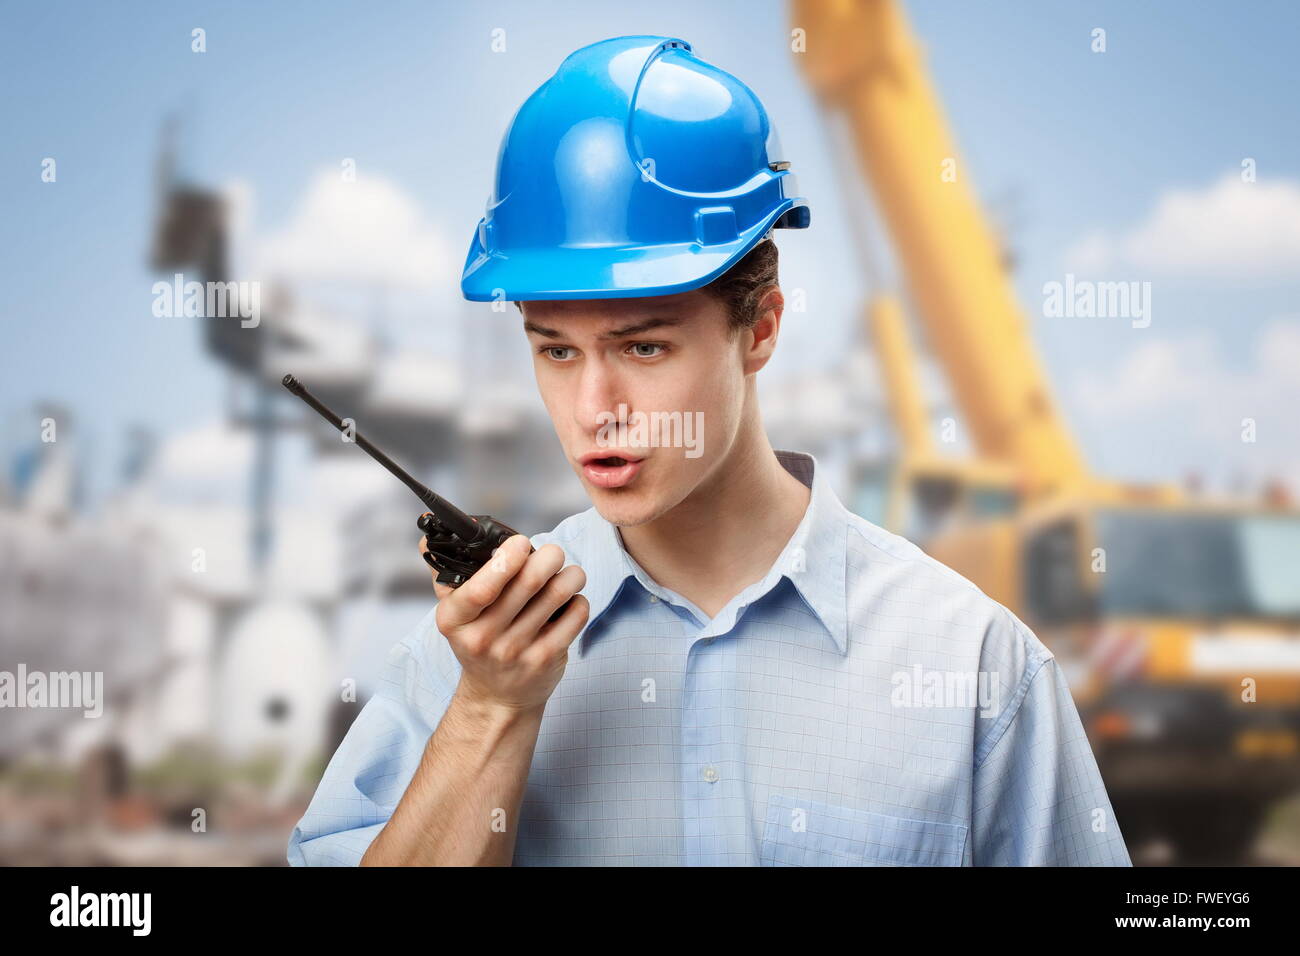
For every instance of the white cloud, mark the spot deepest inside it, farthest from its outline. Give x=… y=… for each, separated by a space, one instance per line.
x=1231 y=229
x=1157 y=375
x=1172 y=406
x=368 y=230
x=1092 y=254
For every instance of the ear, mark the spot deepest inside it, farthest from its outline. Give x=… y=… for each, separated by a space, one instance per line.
x=760 y=340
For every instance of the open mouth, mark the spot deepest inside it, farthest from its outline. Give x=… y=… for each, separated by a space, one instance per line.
x=611 y=471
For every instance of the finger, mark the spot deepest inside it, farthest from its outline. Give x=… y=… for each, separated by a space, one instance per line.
x=472 y=598
x=441 y=590
x=424 y=539
x=555 y=637
x=543 y=604
x=542 y=565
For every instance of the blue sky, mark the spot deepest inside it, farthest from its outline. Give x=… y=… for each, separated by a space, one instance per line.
x=1064 y=143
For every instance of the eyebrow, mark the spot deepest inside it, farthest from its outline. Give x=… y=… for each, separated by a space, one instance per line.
x=633 y=329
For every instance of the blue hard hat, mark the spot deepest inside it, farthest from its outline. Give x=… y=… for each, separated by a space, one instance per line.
x=637 y=169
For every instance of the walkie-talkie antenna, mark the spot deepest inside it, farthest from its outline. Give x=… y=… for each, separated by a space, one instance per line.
x=459 y=523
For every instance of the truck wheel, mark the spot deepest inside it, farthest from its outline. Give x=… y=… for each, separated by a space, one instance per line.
x=1214 y=833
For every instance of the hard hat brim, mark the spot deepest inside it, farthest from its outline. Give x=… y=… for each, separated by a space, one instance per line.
x=608 y=272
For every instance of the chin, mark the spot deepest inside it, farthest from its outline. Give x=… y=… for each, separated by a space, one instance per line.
x=623 y=509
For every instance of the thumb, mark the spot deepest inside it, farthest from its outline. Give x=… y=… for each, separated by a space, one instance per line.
x=441 y=590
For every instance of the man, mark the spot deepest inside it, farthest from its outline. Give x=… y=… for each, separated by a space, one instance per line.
x=746 y=672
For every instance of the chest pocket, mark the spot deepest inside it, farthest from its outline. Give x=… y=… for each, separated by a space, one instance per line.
x=834 y=835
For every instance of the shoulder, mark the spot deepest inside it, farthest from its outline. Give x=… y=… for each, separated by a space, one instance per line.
x=891 y=581
x=578 y=534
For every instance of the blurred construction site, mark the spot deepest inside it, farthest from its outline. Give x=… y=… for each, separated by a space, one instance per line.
x=171 y=521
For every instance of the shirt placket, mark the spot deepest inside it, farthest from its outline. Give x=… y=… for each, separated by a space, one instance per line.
x=715 y=813
x=714 y=818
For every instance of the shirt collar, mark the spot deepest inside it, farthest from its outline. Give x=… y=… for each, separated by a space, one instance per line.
x=814 y=559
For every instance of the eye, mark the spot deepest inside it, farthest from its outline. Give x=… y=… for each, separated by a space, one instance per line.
x=551 y=350
x=648 y=345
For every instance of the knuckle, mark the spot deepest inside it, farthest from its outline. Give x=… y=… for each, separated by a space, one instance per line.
x=476 y=643
x=502 y=652
x=557 y=587
x=579 y=576
x=508 y=558
x=476 y=593
x=517 y=547
x=549 y=558
x=535 y=574
x=564 y=584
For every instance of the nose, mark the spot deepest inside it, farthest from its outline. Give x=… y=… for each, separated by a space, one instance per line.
x=600 y=399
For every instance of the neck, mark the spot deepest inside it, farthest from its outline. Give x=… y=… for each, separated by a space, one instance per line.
x=729 y=531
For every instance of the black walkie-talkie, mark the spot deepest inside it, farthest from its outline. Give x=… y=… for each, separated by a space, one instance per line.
x=459 y=544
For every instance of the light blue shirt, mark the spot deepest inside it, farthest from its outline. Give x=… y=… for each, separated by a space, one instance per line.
x=861 y=705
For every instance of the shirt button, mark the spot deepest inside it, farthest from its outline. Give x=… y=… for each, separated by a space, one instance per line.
x=654 y=599
x=710 y=775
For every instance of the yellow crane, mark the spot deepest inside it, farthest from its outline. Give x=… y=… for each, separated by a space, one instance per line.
x=1177 y=619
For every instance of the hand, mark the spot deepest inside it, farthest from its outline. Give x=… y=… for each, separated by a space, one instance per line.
x=497 y=623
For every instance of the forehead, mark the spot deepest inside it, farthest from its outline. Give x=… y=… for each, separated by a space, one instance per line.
x=613 y=317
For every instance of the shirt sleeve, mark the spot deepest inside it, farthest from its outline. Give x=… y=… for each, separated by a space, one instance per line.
x=374 y=764
x=1039 y=799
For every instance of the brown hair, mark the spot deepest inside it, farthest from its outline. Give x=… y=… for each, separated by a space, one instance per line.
x=743 y=286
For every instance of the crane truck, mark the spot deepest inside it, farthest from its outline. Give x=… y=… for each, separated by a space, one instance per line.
x=1175 y=616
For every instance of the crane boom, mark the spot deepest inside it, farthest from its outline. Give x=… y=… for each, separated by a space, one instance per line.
x=861 y=59
x=902 y=378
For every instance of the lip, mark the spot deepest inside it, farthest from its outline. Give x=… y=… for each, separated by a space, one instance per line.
x=610 y=476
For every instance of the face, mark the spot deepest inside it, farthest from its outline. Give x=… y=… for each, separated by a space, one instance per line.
x=646 y=395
